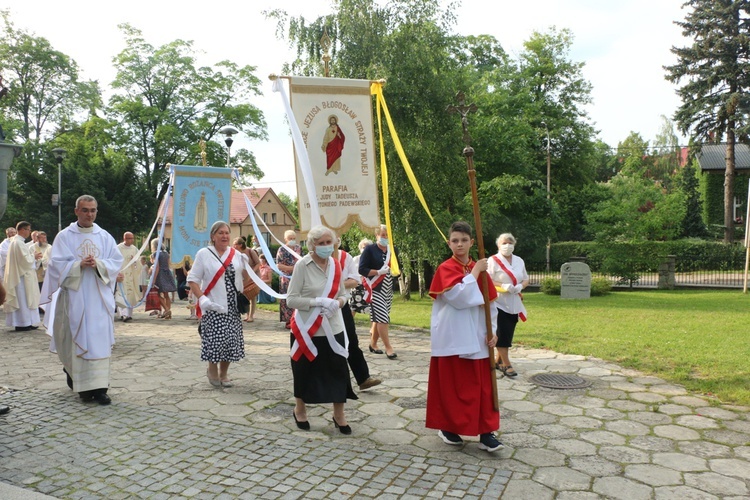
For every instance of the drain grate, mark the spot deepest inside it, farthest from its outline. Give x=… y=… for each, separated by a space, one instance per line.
x=558 y=381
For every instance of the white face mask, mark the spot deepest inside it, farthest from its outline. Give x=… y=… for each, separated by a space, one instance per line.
x=506 y=249
x=291 y=243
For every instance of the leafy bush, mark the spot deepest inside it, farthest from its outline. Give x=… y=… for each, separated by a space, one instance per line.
x=600 y=286
x=550 y=286
x=628 y=260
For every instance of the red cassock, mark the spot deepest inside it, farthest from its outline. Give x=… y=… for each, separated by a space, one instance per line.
x=459 y=393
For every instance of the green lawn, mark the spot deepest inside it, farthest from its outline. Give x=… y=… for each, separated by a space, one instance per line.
x=696 y=338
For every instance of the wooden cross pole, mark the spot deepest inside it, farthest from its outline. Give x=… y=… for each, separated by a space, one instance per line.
x=468 y=153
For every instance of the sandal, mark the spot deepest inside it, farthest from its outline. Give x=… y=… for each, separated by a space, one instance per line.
x=506 y=371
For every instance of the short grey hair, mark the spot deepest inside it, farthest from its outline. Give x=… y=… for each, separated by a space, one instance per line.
x=289 y=233
x=505 y=236
x=154 y=244
x=216 y=226
x=318 y=232
x=86 y=197
x=382 y=228
x=363 y=243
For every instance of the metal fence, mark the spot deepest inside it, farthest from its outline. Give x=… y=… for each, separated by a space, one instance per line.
x=687 y=273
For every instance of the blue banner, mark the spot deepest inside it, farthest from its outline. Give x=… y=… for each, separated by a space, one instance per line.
x=202 y=195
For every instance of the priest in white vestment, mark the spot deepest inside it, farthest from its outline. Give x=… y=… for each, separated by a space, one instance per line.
x=42 y=250
x=9 y=234
x=22 y=301
x=79 y=285
x=129 y=278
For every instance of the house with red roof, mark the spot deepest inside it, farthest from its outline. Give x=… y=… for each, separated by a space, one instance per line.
x=267 y=204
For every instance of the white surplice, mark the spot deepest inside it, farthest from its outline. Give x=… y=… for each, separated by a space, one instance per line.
x=22 y=302
x=80 y=318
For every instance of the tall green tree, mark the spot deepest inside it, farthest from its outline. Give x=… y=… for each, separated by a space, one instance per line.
x=45 y=88
x=165 y=105
x=45 y=94
x=522 y=102
x=666 y=154
x=715 y=75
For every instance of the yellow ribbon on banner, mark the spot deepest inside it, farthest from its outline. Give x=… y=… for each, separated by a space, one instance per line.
x=386 y=208
x=376 y=89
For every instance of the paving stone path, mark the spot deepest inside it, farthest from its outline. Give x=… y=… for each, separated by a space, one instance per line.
x=169 y=434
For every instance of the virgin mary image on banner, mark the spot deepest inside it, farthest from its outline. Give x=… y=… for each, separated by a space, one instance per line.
x=333 y=145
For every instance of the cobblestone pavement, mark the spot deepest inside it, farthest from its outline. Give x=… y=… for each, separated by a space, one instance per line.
x=169 y=434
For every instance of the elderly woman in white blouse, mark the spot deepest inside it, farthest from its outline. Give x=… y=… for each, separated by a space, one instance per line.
x=319 y=347
x=215 y=278
x=508 y=273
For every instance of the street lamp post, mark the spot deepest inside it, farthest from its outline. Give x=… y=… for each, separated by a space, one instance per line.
x=228 y=131
x=548 y=186
x=59 y=156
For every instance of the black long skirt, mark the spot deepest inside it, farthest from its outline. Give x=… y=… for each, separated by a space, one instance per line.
x=325 y=379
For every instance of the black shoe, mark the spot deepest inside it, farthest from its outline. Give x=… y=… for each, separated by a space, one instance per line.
x=33 y=328
x=391 y=356
x=305 y=426
x=375 y=351
x=489 y=442
x=343 y=429
x=450 y=438
x=102 y=398
x=23 y=328
x=86 y=396
x=68 y=380
x=4 y=409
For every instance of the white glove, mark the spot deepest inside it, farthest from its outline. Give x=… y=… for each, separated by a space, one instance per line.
x=384 y=270
x=208 y=305
x=329 y=306
x=515 y=289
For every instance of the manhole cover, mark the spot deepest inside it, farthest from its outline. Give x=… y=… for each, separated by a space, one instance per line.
x=558 y=381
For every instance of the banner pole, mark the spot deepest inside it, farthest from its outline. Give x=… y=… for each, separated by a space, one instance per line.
x=468 y=153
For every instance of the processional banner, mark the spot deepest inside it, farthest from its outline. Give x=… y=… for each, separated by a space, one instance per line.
x=202 y=196
x=335 y=118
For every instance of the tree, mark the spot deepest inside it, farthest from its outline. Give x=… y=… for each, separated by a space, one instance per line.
x=45 y=94
x=165 y=106
x=514 y=98
x=45 y=90
x=715 y=72
x=636 y=209
x=290 y=204
x=687 y=181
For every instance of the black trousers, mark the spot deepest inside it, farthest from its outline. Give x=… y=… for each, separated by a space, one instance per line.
x=356 y=359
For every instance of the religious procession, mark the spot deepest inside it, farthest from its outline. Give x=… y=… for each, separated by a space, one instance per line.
x=84 y=283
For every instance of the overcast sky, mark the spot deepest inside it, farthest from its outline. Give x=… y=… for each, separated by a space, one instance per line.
x=624 y=45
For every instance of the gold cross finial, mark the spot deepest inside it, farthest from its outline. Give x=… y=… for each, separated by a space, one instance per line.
x=325 y=44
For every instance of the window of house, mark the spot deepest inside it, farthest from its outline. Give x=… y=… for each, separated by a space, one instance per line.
x=273 y=218
x=265 y=217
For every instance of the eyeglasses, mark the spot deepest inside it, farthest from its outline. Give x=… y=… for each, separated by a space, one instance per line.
x=88 y=210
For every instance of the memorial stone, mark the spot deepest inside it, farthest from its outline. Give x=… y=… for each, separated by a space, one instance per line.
x=575 y=281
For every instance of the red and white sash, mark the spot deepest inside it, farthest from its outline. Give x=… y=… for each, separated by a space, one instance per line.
x=514 y=280
x=370 y=283
x=224 y=266
x=304 y=330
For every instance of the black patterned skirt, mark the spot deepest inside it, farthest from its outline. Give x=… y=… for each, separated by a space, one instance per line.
x=221 y=334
